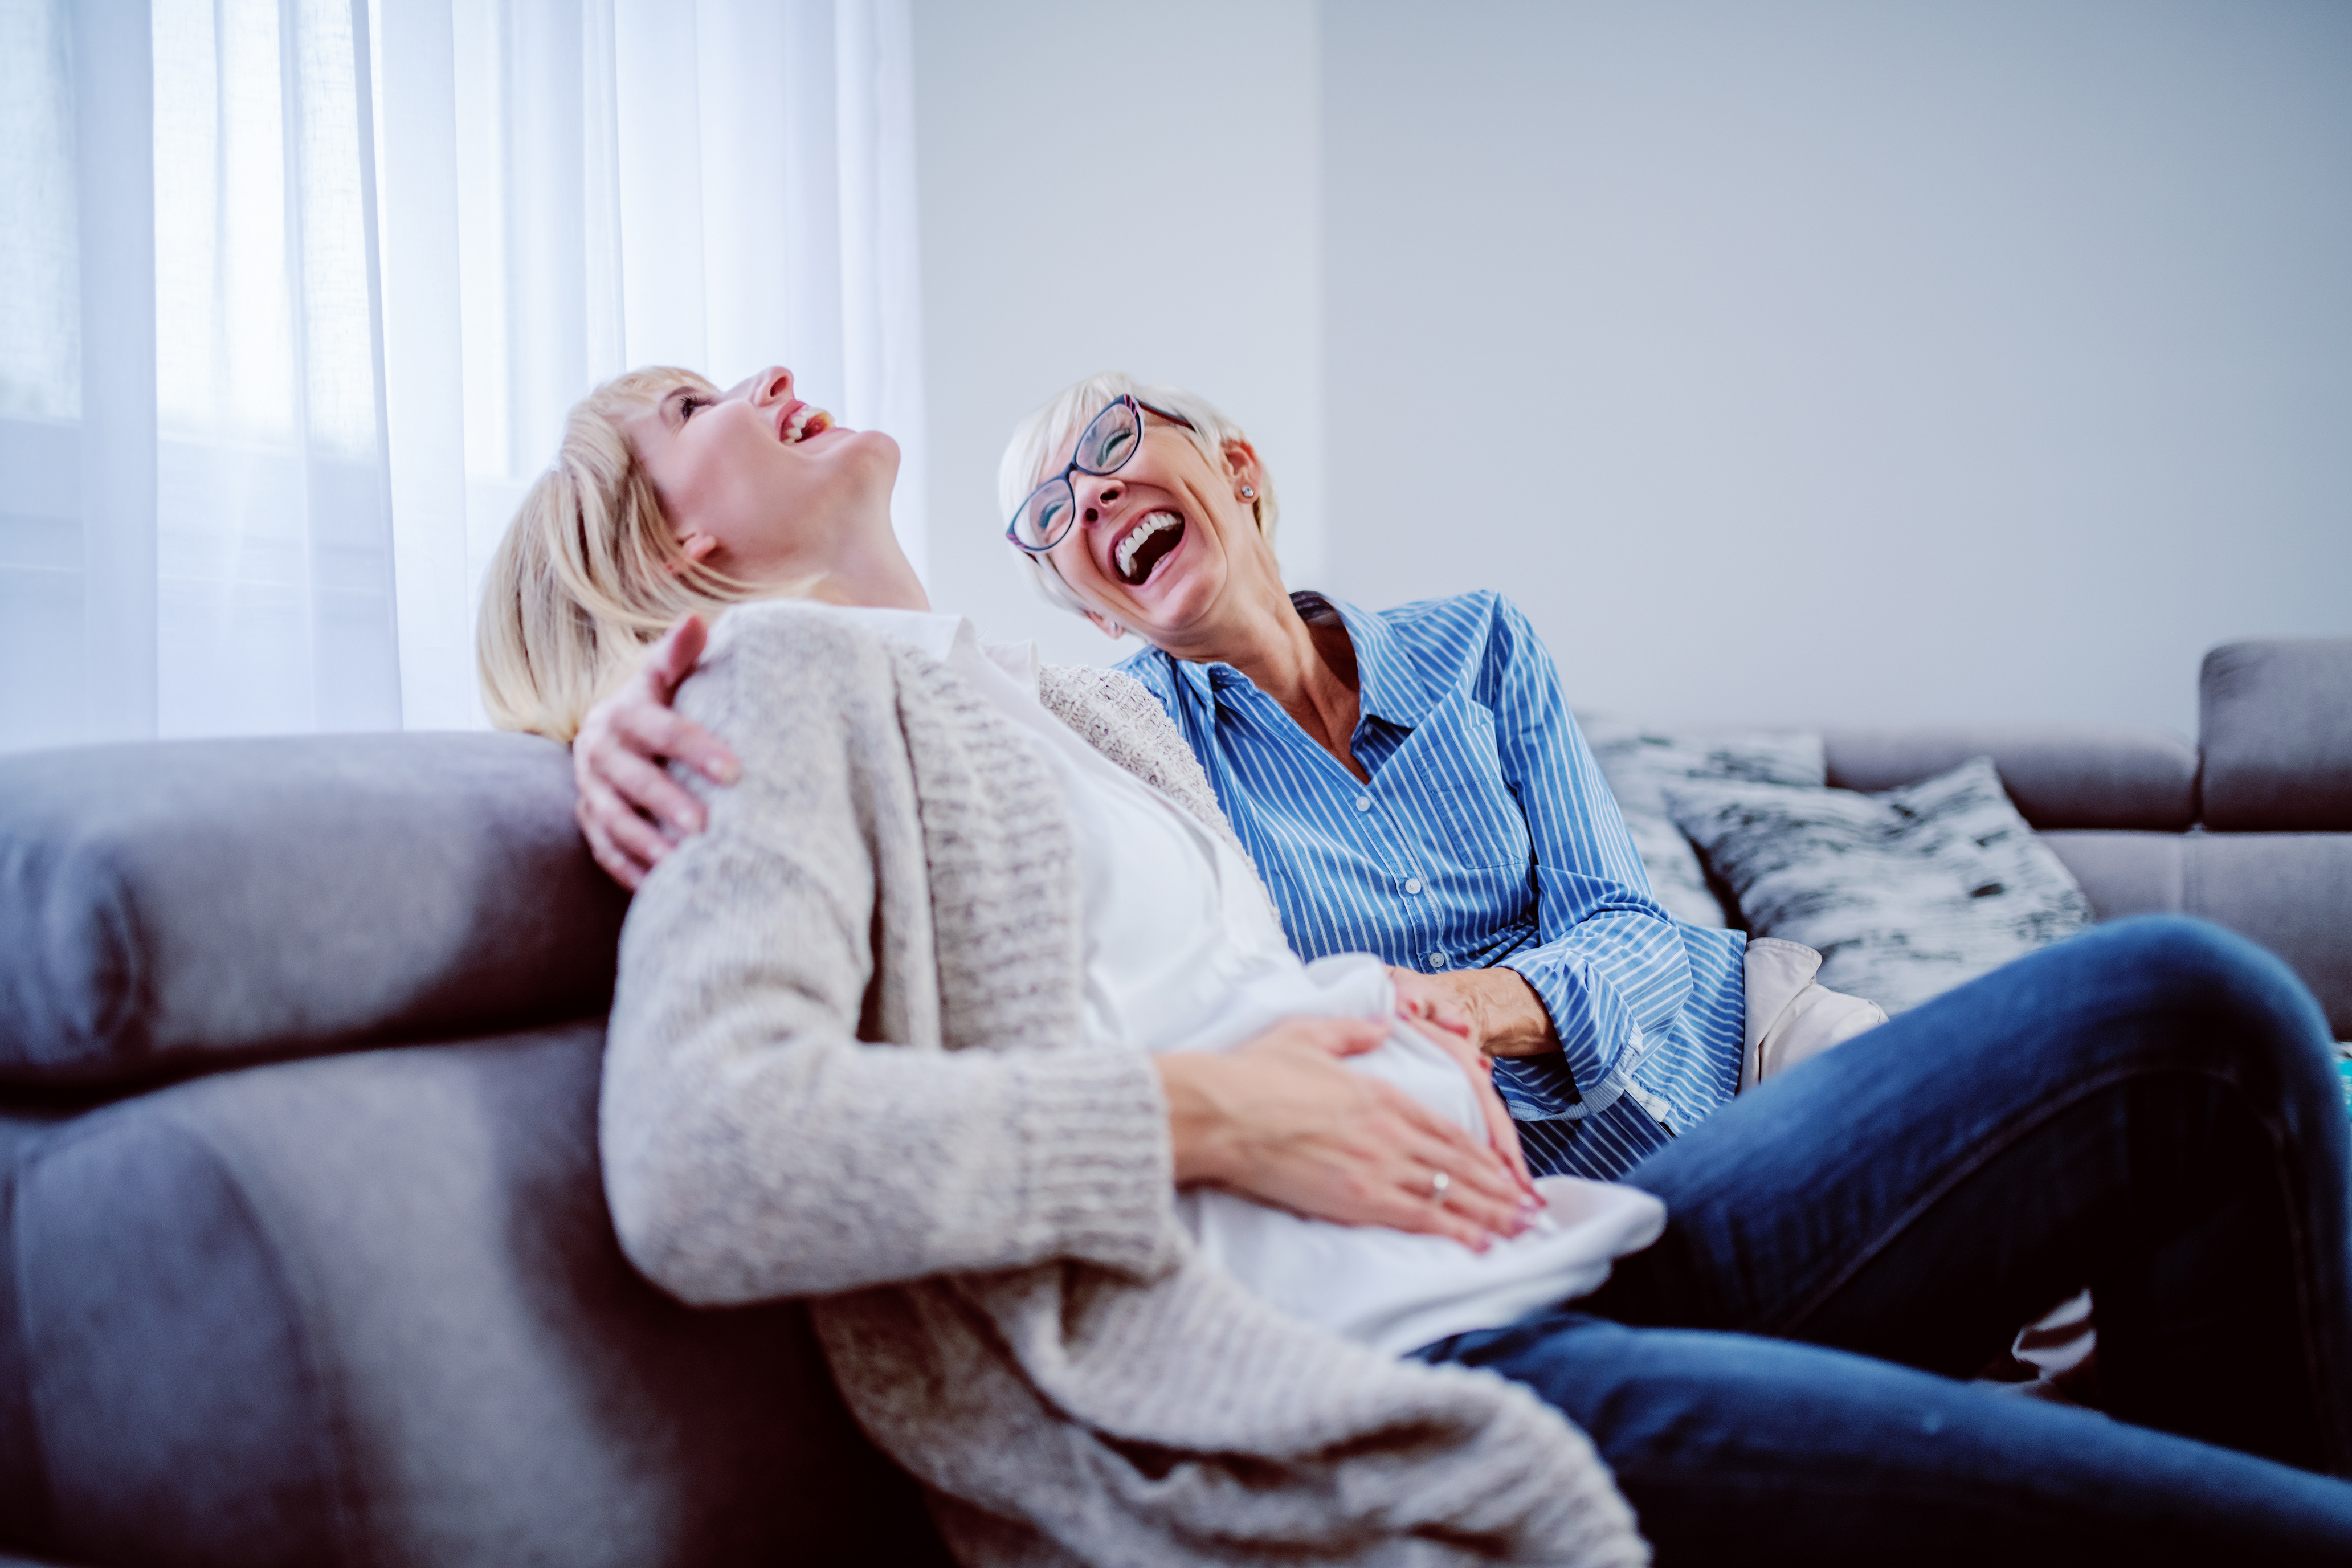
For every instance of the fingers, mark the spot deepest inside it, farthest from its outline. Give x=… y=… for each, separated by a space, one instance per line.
x=648 y=791
x=1502 y=1137
x=1435 y=1014
x=1341 y=1036
x=1417 y=1211
x=1431 y=1001
x=624 y=844
x=675 y=656
x=1456 y=1207
x=1285 y=1122
x=1502 y=1132
x=1481 y=1187
x=653 y=731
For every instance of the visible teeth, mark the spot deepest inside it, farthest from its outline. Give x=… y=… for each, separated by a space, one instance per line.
x=806 y=421
x=1156 y=522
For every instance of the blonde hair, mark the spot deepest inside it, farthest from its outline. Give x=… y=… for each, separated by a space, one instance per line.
x=589 y=573
x=1036 y=439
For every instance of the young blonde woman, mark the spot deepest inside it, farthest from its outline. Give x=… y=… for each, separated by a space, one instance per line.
x=966 y=1017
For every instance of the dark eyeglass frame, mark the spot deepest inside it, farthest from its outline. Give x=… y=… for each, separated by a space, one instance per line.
x=1126 y=401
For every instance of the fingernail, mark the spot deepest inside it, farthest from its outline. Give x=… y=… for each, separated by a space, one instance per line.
x=724 y=771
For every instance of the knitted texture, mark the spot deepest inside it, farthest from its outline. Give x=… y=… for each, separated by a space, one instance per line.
x=844 y=1060
x=1116 y=715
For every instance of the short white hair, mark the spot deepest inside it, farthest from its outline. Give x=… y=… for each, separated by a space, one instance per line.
x=1036 y=441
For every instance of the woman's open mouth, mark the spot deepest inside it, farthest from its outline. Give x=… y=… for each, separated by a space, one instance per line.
x=1146 y=545
x=806 y=420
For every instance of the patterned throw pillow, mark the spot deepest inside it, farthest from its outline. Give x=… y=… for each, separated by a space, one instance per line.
x=1640 y=764
x=1907 y=894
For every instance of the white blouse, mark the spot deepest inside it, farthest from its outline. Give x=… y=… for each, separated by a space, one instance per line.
x=1183 y=953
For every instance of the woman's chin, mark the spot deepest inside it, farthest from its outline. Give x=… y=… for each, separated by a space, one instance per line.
x=855 y=445
x=879 y=443
x=1166 y=602
x=867 y=460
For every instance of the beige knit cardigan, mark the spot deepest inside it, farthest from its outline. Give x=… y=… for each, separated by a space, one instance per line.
x=845 y=1062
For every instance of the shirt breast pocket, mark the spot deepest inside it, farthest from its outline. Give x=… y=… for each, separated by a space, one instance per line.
x=1472 y=813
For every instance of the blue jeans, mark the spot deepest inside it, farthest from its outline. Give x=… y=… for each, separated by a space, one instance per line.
x=2150 y=1110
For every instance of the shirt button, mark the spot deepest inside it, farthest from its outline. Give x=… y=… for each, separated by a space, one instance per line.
x=1413 y=884
x=1436 y=960
x=1363 y=802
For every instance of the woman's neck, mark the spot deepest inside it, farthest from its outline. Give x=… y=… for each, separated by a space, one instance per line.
x=1309 y=670
x=872 y=571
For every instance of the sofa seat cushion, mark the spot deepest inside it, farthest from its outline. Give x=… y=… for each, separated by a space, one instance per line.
x=369 y=1308
x=2292 y=892
x=1905 y=894
x=166 y=909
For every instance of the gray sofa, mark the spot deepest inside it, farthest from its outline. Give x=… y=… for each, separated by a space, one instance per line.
x=307 y=1255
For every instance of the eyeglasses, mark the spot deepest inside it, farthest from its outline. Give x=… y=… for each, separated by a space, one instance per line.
x=1109 y=440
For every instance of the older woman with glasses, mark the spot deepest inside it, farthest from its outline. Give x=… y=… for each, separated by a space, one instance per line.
x=966 y=1019
x=1410 y=784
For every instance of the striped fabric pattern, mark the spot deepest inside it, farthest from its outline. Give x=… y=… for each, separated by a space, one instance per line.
x=1485 y=838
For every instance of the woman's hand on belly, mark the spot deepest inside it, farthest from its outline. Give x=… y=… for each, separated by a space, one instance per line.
x=1445 y=1029
x=1281 y=1120
x=1495 y=1010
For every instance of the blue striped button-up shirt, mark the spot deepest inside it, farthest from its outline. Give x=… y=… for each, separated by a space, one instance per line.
x=1485 y=838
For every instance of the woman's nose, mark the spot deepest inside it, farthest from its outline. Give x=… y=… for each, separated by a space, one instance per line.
x=1104 y=495
x=774 y=385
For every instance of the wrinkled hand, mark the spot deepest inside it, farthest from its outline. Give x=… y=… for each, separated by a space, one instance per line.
x=630 y=810
x=1496 y=1011
x=1282 y=1120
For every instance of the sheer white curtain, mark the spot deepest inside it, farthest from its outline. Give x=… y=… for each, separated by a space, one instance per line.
x=302 y=289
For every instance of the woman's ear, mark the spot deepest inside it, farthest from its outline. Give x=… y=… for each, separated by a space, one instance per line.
x=1104 y=624
x=696 y=548
x=1243 y=471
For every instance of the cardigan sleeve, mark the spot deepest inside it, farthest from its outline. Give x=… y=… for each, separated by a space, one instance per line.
x=754 y=1144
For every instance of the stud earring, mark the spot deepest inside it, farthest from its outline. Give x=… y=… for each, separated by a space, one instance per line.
x=1249 y=494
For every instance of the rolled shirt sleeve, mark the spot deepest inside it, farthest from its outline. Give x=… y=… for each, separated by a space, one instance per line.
x=1609 y=961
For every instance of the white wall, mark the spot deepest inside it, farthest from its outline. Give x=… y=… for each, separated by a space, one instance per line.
x=1847 y=361
x=1113 y=187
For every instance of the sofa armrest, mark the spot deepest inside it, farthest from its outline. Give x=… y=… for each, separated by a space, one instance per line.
x=2292 y=892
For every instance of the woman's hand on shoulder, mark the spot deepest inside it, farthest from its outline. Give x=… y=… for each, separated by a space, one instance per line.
x=1282 y=1120
x=629 y=809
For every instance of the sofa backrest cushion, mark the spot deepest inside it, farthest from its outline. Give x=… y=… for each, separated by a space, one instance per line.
x=2276 y=723
x=165 y=909
x=2076 y=775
